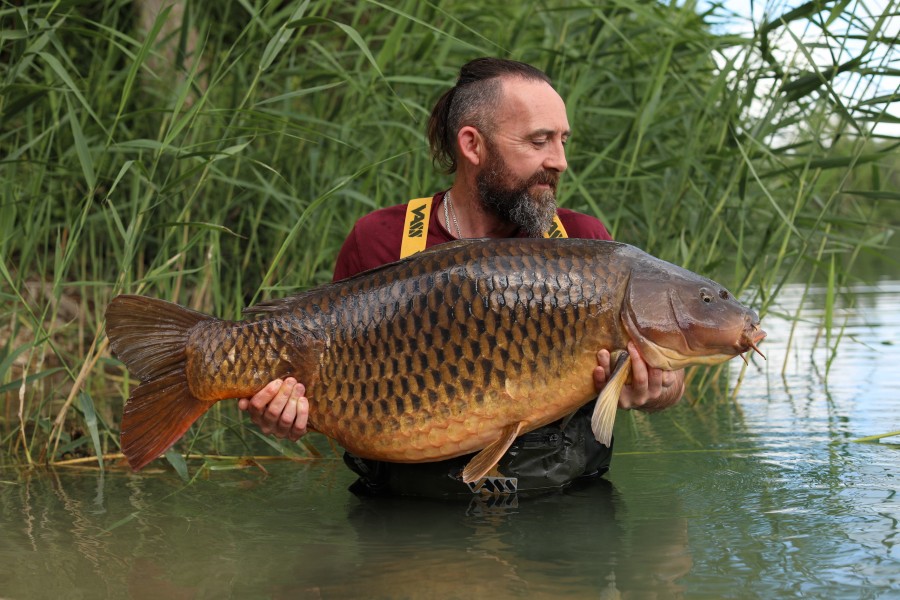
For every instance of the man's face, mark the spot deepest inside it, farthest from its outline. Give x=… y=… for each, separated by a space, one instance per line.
x=529 y=203
x=525 y=156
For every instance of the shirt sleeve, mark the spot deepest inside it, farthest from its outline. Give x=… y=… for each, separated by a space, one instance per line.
x=374 y=241
x=348 y=261
x=579 y=225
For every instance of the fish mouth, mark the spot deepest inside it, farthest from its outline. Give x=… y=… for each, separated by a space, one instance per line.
x=750 y=339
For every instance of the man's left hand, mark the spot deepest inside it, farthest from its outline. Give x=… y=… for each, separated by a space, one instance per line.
x=650 y=390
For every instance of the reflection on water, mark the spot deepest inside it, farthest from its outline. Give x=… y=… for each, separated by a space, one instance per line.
x=764 y=497
x=297 y=533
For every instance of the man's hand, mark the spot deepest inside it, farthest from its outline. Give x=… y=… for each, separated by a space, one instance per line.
x=280 y=408
x=650 y=389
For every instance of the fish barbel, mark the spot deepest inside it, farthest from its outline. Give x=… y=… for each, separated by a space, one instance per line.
x=454 y=350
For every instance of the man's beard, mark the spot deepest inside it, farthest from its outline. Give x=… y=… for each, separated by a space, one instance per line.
x=513 y=202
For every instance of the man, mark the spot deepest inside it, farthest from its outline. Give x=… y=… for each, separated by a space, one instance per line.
x=502 y=130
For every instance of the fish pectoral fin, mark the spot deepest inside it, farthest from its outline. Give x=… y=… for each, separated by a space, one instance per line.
x=604 y=416
x=485 y=460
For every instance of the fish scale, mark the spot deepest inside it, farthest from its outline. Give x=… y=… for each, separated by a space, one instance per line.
x=456 y=349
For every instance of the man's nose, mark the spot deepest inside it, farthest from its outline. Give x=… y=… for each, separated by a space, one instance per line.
x=556 y=158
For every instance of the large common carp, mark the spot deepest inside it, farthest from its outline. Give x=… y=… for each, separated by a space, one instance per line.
x=456 y=349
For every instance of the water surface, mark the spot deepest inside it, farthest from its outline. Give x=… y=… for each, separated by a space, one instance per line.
x=764 y=496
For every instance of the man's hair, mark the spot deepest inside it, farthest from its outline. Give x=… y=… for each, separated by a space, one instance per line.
x=469 y=103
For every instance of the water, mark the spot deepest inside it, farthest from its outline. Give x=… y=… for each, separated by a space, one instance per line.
x=763 y=497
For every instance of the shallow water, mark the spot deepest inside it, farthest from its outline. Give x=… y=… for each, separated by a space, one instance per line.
x=766 y=496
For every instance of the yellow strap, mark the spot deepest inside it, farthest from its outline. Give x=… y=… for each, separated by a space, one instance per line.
x=415 y=227
x=415 y=230
x=556 y=230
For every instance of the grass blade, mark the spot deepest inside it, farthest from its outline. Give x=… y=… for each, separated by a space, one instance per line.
x=82 y=149
x=86 y=404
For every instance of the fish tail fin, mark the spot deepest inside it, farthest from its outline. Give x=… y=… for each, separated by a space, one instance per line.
x=604 y=416
x=150 y=336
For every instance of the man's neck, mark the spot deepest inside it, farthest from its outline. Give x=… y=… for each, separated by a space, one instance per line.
x=474 y=220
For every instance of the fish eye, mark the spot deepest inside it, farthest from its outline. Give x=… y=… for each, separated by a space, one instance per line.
x=723 y=294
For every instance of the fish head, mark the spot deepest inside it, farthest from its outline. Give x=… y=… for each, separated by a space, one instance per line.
x=678 y=318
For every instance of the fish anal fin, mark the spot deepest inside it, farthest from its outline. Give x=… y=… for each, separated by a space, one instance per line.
x=156 y=415
x=485 y=460
x=604 y=416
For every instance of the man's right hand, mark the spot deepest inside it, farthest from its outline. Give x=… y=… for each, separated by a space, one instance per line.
x=280 y=408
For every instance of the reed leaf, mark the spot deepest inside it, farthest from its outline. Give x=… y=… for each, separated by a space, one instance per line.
x=178 y=463
x=875 y=438
x=86 y=404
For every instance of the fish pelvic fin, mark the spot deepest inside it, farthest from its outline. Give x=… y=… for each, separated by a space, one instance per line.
x=150 y=336
x=604 y=416
x=485 y=460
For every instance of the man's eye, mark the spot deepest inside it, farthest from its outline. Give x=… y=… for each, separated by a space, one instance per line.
x=538 y=142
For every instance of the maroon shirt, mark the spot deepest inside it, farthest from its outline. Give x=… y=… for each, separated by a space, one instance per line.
x=376 y=238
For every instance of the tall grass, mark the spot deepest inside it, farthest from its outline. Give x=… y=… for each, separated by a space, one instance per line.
x=216 y=154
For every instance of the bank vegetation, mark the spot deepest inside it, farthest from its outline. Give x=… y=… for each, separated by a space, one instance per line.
x=216 y=154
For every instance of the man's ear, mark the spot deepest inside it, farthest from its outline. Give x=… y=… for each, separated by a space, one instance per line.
x=471 y=145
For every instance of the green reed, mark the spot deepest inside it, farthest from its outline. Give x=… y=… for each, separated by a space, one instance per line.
x=223 y=162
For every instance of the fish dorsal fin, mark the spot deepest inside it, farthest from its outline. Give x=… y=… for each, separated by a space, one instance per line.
x=452 y=244
x=605 y=410
x=279 y=304
x=482 y=462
